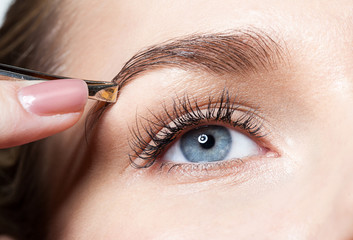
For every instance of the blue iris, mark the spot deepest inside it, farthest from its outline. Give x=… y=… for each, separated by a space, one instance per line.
x=206 y=144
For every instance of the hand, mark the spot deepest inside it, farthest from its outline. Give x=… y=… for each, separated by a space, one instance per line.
x=30 y=112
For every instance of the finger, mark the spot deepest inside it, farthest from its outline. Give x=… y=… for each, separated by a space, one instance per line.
x=29 y=113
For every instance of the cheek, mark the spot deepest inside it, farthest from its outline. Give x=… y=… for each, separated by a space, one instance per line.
x=116 y=206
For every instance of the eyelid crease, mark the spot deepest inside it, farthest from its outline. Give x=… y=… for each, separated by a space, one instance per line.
x=165 y=128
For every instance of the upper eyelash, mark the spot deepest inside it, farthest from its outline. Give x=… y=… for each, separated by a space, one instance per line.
x=186 y=113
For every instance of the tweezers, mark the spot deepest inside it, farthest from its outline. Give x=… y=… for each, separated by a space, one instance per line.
x=97 y=90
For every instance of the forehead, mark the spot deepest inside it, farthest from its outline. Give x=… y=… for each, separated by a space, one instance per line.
x=169 y=18
x=112 y=31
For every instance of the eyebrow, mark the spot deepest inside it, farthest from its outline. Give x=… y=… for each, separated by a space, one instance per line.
x=233 y=52
x=237 y=52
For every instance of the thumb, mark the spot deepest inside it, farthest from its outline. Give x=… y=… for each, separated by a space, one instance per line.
x=29 y=113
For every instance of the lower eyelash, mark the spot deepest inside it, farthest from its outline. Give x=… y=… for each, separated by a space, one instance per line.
x=201 y=171
x=186 y=113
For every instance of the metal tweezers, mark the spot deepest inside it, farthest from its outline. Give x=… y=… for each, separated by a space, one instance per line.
x=97 y=90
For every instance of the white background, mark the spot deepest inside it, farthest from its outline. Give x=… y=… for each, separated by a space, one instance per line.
x=4 y=4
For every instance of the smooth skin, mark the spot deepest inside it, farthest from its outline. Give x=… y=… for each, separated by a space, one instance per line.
x=303 y=192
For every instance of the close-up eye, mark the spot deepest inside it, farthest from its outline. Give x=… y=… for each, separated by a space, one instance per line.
x=221 y=132
x=211 y=143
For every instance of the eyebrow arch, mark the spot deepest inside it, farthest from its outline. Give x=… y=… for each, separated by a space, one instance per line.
x=236 y=51
x=233 y=52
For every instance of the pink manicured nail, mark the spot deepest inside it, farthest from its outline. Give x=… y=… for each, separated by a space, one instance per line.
x=54 y=97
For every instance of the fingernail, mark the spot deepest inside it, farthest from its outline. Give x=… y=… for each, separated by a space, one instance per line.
x=54 y=97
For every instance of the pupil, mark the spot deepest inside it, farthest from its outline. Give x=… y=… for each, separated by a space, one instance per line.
x=206 y=141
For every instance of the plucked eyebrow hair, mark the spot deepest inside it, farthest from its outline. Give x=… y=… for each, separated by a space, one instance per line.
x=233 y=52
x=237 y=52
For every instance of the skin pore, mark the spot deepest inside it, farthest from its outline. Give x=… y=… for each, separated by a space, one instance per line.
x=303 y=189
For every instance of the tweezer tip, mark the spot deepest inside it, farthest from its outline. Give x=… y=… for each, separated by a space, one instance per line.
x=108 y=94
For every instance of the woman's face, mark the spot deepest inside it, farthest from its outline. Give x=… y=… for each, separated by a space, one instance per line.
x=249 y=126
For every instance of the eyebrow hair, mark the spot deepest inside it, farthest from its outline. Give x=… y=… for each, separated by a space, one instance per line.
x=237 y=51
